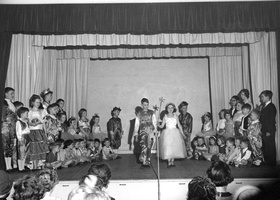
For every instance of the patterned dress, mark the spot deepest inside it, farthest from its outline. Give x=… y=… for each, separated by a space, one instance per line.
x=146 y=130
x=186 y=121
x=52 y=128
x=115 y=125
x=254 y=136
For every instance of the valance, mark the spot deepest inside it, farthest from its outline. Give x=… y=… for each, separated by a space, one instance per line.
x=157 y=39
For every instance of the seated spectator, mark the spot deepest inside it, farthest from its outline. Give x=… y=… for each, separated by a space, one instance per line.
x=237 y=118
x=49 y=179
x=220 y=174
x=236 y=152
x=28 y=188
x=94 y=148
x=244 y=157
x=207 y=128
x=246 y=108
x=213 y=149
x=248 y=192
x=51 y=160
x=103 y=172
x=107 y=151
x=200 y=150
x=221 y=141
x=201 y=188
x=6 y=184
x=229 y=149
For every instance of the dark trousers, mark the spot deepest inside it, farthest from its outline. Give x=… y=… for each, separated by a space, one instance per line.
x=269 y=149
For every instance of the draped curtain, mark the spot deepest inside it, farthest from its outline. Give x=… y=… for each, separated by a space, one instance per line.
x=31 y=69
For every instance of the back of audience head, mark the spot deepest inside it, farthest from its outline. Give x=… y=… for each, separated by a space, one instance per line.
x=219 y=173
x=248 y=192
x=6 y=184
x=85 y=193
x=102 y=171
x=48 y=178
x=28 y=188
x=201 y=188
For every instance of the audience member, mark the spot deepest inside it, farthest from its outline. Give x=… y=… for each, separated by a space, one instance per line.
x=248 y=192
x=232 y=103
x=220 y=174
x=244 y=95
x=244 y=157
x=6 y=184
x=201 y=188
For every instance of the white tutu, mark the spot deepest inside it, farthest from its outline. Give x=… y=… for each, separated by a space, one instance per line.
x=171 y=142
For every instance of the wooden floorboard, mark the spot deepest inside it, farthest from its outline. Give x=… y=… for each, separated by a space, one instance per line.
x=126 y=168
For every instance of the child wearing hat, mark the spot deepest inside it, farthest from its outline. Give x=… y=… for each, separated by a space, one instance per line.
x=114 y=128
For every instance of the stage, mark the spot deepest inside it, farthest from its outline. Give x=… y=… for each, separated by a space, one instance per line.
x=127 y=178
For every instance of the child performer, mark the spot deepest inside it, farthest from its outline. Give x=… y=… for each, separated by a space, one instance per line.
x=85 y=153
x=46 y=95
x=51 y=123
x=229 y=149
x=207 y=129
x=254 y=136
x=60 y=103
x=38 y=147
x=83 y=123
x=245 y=154
x=95 y=150
x=72 y=129
x=221 y=141
x=22 y=131
x=9 y=129
x=133 y=133
x=236 y=152
x=186 y=121
x=213 y=149
x=171 y=141
x=246 y=108
x=62 y=154
x=96 y=129
x=237 y=118
x=107 y=151
x=201 y=149
x=69 y=151
x=52 y=161
x=147 y=128
x=229 y=126
x=221 y=123
x=114 y=128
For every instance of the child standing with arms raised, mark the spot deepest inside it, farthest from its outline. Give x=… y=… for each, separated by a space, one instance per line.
x=171 y=142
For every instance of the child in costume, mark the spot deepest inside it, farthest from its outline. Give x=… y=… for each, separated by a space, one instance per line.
x=83 y=123
x=96 y=129
x=114 y=128
x=52 y=124
x=22 y=132
x=207 y=128
x=171 y=141
x=213 y=149
x=254 y=136
x=107 y=151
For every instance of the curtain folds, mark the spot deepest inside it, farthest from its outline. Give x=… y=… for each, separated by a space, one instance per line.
x=207 y=17
x=31 y=69
x=156 y=39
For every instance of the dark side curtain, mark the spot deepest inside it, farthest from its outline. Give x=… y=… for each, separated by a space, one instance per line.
x=141 y=18
x=5 y=45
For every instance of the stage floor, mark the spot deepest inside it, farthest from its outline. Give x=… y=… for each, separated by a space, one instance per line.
x=126 y=168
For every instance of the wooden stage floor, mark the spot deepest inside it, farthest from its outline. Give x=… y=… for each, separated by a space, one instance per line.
x=126 y=168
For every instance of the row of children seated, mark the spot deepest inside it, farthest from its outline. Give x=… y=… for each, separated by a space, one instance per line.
x=231 y=151
x=74 y=152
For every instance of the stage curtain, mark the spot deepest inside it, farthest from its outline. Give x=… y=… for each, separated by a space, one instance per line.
x=156 y=39
x=264 y=75
x=31 y=69
x=145 y=18
x=5 y=45
x=226 y=75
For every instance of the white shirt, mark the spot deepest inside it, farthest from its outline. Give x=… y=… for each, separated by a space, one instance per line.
x=221 y=124
x=19 y=131
x=11 y=105
x=136 y=126
x=246 y=156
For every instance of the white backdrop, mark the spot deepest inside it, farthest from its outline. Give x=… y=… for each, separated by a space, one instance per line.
x=123 y=83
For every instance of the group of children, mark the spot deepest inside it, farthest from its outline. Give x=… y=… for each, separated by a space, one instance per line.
x=237 y=139
x=43 y=137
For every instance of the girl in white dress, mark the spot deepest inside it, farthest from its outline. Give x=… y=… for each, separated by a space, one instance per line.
x=171 y=141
